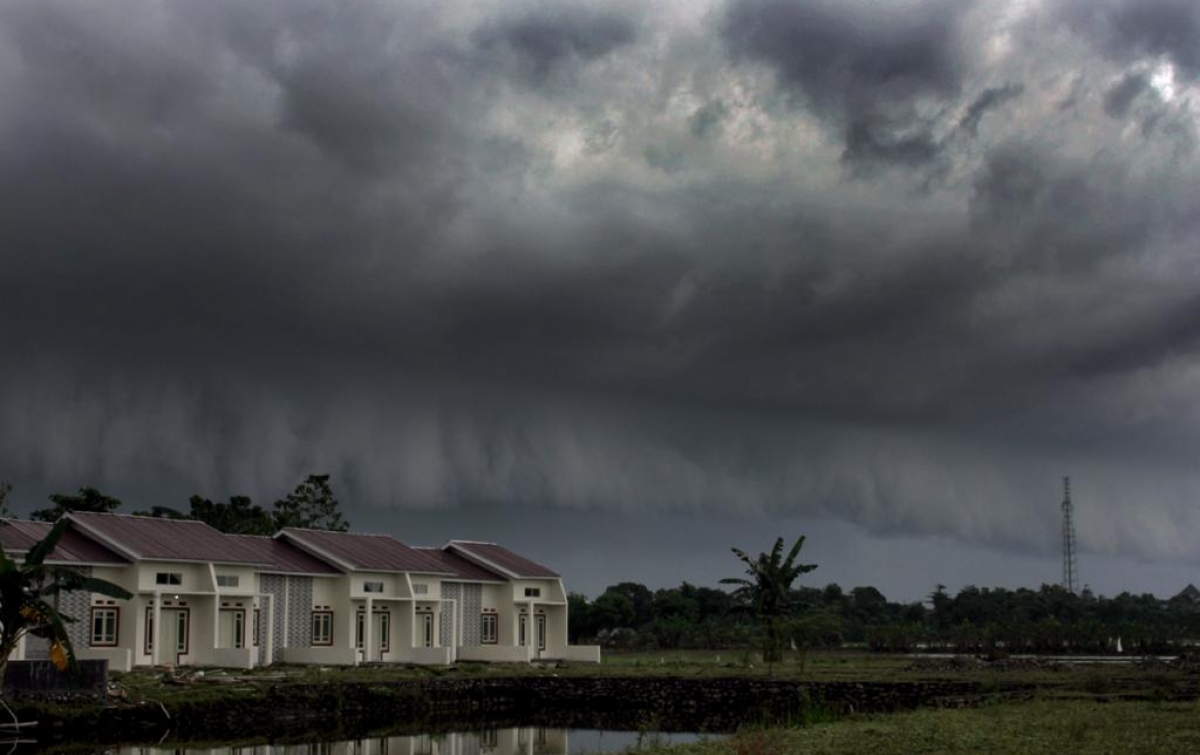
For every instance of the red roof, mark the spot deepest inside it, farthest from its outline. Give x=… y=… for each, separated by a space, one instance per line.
x=460 y=567
x=152 y=538
x=285 y=558
x=498 y=557
x=363 y=552
x=73 y=548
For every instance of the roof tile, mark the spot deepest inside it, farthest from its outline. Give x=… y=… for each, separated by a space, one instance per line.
x=460 y=567
x=364 y=552
x=151 y=538
x=19 y=536
x=499 y=556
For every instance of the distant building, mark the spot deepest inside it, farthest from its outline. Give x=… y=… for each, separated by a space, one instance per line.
x=203 y=597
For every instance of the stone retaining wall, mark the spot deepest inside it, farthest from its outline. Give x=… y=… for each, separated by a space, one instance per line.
x=667 y=704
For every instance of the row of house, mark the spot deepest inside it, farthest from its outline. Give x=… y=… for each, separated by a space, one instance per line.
x=204 y=597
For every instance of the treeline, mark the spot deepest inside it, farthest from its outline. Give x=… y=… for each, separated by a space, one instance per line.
x=976 y=620
x=311 y=505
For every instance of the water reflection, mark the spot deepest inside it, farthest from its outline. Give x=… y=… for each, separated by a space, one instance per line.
x=521 y=740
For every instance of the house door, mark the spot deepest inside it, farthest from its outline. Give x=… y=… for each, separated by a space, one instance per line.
x=174 y=635
x=231 y=628
x=381 y=634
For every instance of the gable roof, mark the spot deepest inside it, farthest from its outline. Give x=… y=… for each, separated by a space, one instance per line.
x=284 y=558
x=358 y=552
x=460 y=567
x=146 y=538
x=19 y=536
x=500 y=559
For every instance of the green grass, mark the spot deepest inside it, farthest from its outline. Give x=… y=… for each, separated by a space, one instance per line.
x=1042 y=727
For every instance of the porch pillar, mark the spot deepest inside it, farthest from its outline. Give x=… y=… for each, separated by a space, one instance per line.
x=269 y=643
x=156 y=629
x=368 y=629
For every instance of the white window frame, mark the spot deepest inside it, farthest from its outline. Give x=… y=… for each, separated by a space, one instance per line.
x=322 y=620
x=104 y=614
x=228 y=580
x=168 y=578
x=489 y=633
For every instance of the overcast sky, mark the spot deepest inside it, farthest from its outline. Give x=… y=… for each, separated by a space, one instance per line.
x=619 y=283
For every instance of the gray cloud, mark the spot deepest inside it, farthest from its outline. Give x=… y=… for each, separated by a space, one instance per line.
x=989 y=99
x=1133 y=29
x=244 y=242
x=544 y=39
x=867 y=69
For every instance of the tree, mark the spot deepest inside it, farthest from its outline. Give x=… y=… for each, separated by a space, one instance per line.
x=240 y=516
x=5 y=489
x=310 y=506
x=27 y=593
x=88 y=500
x=766 y=591
x=162 y=512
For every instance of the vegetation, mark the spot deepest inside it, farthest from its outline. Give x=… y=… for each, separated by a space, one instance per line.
x=1042 y=727
x=27 y=595
x=767 y=591
x=5 y=489
x=976 y=620
x=312 y=505
x=88 y=500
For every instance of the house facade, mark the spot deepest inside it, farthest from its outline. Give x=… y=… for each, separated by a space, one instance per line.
x=203 y=597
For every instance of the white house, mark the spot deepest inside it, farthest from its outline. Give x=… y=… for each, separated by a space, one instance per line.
x=203 y=597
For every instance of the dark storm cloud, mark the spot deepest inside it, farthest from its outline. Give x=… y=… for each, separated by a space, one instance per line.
x=244 y=241
x=1133 y=29
x=1121 y=95
x=866 y=68
x=989 y=99
x=544 y=39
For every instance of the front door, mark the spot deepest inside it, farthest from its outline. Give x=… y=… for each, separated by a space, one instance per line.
x=173 y=635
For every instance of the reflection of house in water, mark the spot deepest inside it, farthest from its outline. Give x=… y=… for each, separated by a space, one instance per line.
x=510 y=741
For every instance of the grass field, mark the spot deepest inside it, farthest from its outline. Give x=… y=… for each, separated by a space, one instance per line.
x=1040 y=727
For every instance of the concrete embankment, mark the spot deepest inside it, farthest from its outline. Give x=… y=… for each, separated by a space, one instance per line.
x=282 y=710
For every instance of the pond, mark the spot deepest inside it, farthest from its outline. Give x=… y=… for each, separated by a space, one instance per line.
x=517 y=740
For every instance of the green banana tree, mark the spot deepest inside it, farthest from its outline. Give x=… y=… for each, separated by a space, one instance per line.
x=766 y=591
x=27 y=592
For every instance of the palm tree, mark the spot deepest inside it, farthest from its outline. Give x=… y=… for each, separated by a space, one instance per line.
x=27 y=593
x=766 y=591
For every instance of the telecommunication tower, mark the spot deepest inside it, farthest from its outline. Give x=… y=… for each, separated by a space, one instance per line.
x=1070 y=568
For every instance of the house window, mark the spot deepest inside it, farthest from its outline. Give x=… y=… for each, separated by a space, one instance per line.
x=420 y=588
x=322 y=628
x=257 y=624
x=227 y=580
x=372 y=587
x=360 y=628
x=168 y=578
x=385 y=632
x=487 y=630
x=104 y=626
x=533 y=592
x=426 y=620
x=522 y=625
